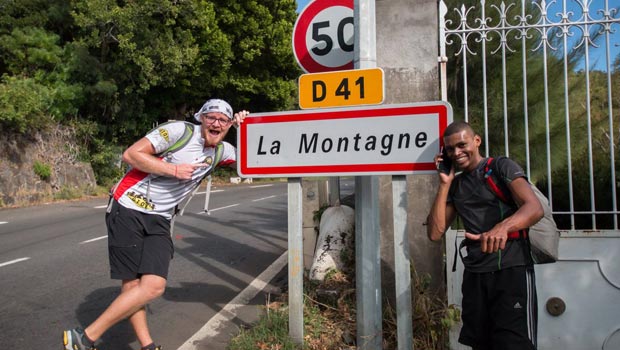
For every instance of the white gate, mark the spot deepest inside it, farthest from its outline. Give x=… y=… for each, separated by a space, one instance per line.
x=541 y=82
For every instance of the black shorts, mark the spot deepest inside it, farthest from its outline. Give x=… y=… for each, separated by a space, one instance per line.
x=499 y=309
x=138 y=243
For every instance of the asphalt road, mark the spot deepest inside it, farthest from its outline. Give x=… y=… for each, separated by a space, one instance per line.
x=54 y=268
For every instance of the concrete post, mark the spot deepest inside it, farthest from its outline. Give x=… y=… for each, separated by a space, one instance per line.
x=407 y=51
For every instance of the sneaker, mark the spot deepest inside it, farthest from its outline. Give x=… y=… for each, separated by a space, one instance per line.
x=151 y=347
x=73 y=339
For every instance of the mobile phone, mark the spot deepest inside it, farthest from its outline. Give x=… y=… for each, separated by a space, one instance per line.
x=446 y=164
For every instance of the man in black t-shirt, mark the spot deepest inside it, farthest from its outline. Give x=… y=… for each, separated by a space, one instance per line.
x=499 y=293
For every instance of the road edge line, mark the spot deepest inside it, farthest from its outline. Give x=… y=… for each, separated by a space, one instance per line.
x=230 y=310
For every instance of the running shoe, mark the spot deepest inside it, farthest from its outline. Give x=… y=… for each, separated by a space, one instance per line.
x=73 y=339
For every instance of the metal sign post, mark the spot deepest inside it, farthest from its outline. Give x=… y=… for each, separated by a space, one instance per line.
x=402 y=265
x=367 y=228
x=295 y=261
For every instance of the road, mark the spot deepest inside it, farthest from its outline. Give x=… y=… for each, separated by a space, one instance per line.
x=54 y=268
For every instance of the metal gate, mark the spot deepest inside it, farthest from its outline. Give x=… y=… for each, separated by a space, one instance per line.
x=540 y=81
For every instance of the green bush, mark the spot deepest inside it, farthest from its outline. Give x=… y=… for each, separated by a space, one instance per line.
x=67 y=192
x=23 y=104
x=106 y=162
x=43 y=171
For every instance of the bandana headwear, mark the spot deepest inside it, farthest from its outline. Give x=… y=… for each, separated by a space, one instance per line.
x=215 y=105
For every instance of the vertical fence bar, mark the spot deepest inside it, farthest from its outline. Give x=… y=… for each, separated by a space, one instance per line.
x=464 y=50
x=612 y=157
x=483 y=34
x=504 y=43
x=443 y=59
x=586 y=42
x=545 y=44
x=526 y=120
x=569 y=160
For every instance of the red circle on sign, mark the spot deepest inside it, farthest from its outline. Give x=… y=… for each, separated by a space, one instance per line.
x=300 y=49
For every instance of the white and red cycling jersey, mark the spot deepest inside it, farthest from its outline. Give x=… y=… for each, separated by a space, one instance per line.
x=156 y=194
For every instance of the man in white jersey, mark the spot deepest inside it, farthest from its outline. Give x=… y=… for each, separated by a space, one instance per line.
x=141 y=208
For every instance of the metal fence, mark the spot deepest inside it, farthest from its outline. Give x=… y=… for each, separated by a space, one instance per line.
x=540 y=81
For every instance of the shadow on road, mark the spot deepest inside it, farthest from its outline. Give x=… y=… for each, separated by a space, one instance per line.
x=120 y=336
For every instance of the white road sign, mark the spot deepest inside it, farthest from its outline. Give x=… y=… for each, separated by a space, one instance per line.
x=385 y=139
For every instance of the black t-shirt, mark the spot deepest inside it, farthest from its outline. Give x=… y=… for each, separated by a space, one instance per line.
x=480 y=209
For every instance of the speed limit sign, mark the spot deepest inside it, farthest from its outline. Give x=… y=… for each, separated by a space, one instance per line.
x=323 y=36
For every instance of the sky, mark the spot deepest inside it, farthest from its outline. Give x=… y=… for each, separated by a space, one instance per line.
x=301 y=4
x=596 y=55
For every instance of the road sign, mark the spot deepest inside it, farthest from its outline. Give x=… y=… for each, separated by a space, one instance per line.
x=341 y=88
x=323 y=36
x=385 y=139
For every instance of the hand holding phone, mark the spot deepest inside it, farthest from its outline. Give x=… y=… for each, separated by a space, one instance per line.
x=446 y=163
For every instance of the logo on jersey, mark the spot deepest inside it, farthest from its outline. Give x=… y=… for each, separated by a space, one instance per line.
x=140 y=201
x=209 y=160
x=164 y=134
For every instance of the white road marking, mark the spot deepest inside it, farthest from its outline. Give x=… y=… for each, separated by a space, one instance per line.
x=259 y=186
x=229 y=311
x=101 y=206
x=226 y=207
x=3 y=222
x=94 y=239
x=262 y=199
x=212 y=191
x=13 y=261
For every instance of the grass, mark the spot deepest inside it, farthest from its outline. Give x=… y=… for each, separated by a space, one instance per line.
x=42 y=170
x=330 y=318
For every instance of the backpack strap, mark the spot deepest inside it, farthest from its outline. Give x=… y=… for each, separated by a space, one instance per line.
x=489 y=167
x=182 y=142
x=219 y=152
x=503 y=195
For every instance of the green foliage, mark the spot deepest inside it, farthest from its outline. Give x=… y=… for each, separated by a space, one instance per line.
x=129 y=65
x=34 y=82
x=106 y=162
x=43 y=170
x=23 y=104
x=28 y=50
x=68 y=192
x=270 y=332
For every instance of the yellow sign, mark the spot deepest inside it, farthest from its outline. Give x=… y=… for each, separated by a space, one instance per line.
x=341 y=88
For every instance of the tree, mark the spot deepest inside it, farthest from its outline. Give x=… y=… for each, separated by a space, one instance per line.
x=129 y=65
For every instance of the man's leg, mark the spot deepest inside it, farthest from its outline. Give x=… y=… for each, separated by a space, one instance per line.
x=514 y=311
x=129 y=302
x=475 y=328
x=138 y=319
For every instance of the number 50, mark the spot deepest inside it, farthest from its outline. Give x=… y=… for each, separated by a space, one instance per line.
x=329 y=43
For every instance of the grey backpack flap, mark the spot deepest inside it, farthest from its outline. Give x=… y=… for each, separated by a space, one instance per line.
x=544 y=235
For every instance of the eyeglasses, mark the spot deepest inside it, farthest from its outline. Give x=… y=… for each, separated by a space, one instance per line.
x=222 y=121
